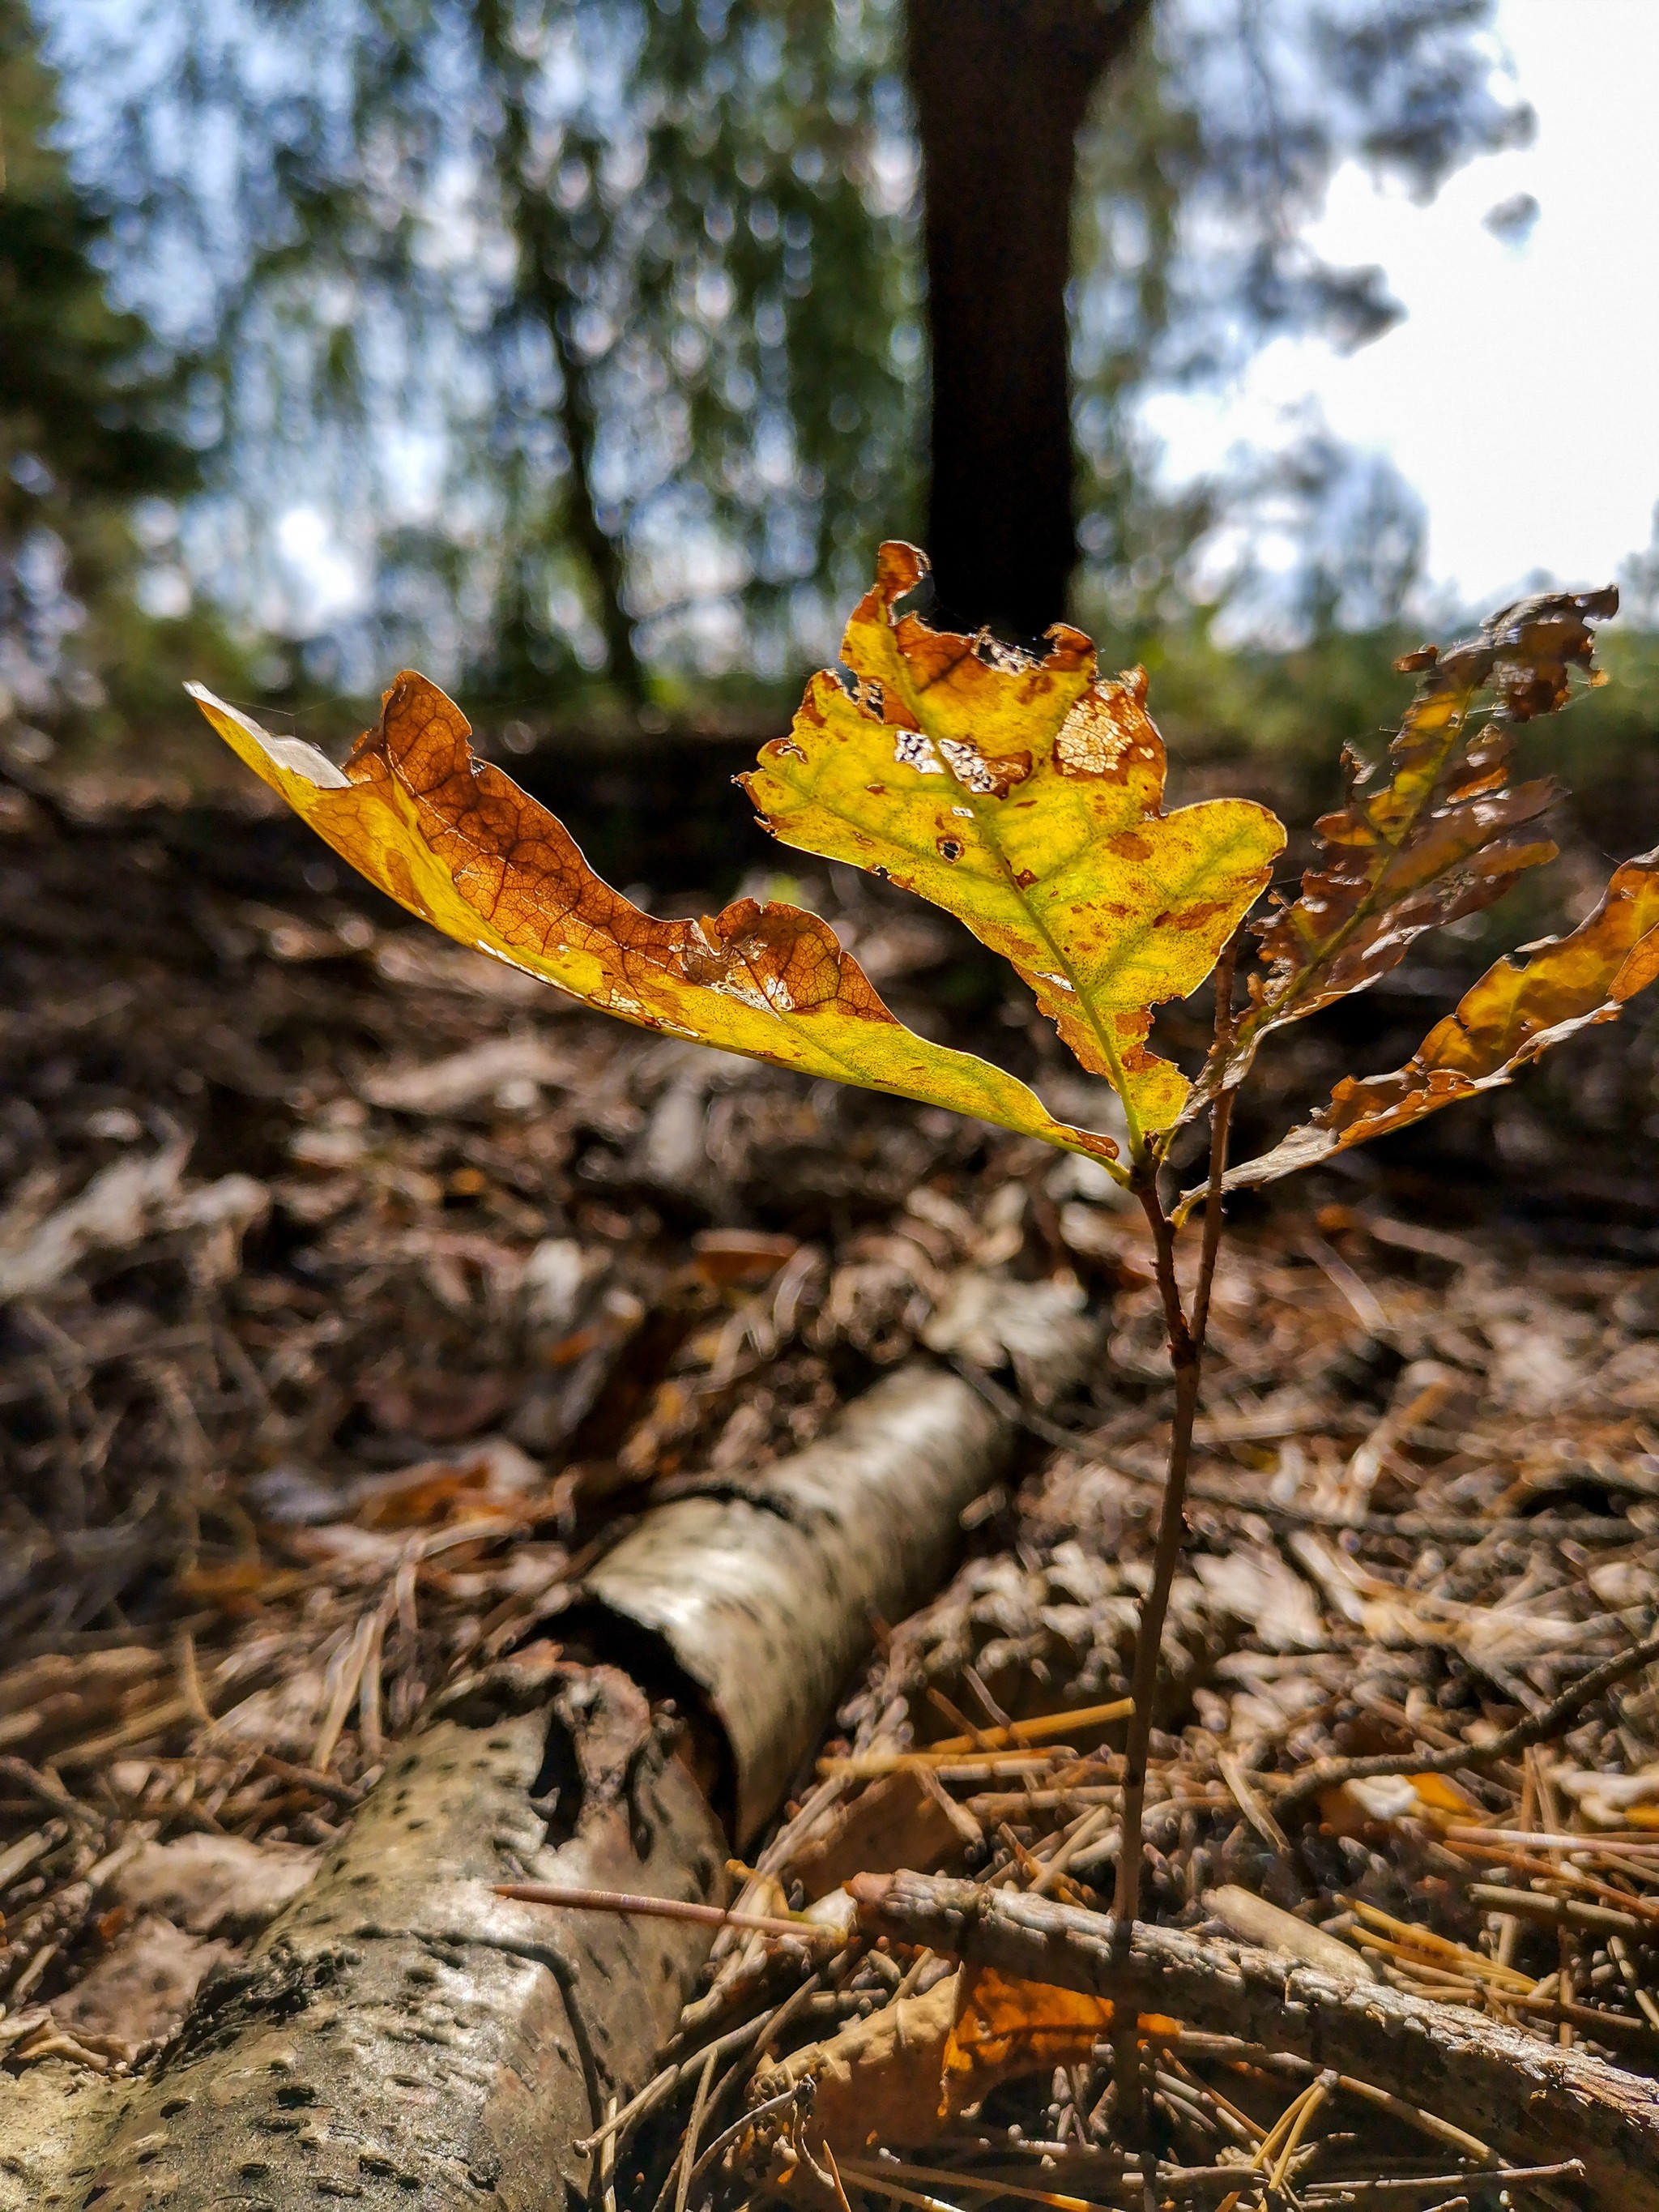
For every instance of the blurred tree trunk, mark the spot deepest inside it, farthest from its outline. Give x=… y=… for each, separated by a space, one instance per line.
x=1000 y=89
x=544 y=291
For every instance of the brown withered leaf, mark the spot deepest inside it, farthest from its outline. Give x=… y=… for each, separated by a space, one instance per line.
x=458 y=843
x=903 y=2075
x=1445 y=837
x=876 y=2081
x=895 y=1822
x=1514 y=1013
x=1005 y=2029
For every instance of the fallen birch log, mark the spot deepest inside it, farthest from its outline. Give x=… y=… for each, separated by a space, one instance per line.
x=1531 y=2102
x=401 y=2034
x=763 y=1593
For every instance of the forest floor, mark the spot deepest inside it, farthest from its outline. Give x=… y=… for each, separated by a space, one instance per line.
x=356 y=1294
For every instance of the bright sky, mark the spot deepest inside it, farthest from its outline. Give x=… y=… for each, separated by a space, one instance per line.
x=1520 y=397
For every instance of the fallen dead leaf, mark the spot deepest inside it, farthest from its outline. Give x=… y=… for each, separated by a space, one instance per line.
x=214 y=1885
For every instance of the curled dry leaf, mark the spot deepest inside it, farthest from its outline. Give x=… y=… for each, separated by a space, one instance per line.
x=142 y=1985
x=458 y=843
x=878 y=2080
x=1004 y=2027
x=902 y=2076
x=1445 y=837
x=1024 y=796
x=897 y=1821
x=1514 y=1013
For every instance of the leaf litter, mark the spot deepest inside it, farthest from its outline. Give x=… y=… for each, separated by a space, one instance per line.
x=321 y=1396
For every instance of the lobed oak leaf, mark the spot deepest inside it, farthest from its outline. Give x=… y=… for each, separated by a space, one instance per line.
x=1024 y=796
x=456 y=841
x=1512 y=1015
x=1443 y=837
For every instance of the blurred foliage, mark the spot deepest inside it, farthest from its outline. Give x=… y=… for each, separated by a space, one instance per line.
x=553 y=340
x=550 y=345
x=93 y=456
x=1206 y=158
x=542 y=309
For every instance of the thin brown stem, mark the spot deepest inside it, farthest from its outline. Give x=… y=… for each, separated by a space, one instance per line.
x=1186 y=1341
x=1183 y=1357
x=1221 y=1121
x=1221 y=1115
x=668 y=1908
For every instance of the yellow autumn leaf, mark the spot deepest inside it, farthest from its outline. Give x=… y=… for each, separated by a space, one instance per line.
x=458 y=843
x=907 y=2073
x=1004 y=2027
x=1024 y=796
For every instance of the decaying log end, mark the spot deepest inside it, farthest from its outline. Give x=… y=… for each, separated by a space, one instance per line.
x=400 y=2031
x=762 y=1594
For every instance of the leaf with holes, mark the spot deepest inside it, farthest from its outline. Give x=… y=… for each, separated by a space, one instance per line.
x=1511 y=1016
x=1445 y=837
x=458 y=843
x=1024 y=796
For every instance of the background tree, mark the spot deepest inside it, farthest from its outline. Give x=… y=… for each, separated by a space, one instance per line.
x=89 y=426
x=1001 y=91
x=594 y=331
x=586 y=323
x=1163 y=159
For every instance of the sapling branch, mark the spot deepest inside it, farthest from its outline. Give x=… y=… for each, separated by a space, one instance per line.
x=1186 y=1349
x=1023 y=794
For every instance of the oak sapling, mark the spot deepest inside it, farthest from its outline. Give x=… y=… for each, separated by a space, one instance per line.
x=1023 y=794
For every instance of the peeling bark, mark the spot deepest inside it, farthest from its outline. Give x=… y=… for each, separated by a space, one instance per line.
x=400 y=2031
x=1533 y=2101
x=399 y=2034
x=764 y=1594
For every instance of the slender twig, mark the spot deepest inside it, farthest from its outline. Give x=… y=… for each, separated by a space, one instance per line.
x=994 y=2184
x=1538 y=1728
x=1221 y=1117
x=694 y=2129
x=668 y=1908
x=1315 y=2097
x=724 y=2141
x=749 y=2041
x=604 y=2175
x=1416 y=2185
x=752 y=2056
x=1185 y=1346
x=621 y=2124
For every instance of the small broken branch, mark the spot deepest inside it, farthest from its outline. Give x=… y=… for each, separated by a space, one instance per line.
x=1535 y=2101
x=1538 y=1728
x=665 y=1908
